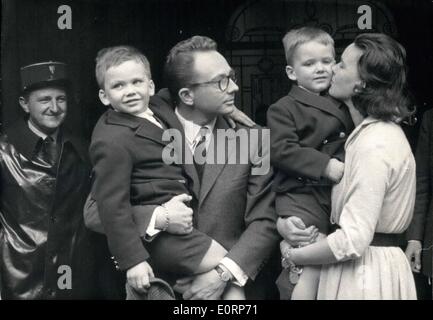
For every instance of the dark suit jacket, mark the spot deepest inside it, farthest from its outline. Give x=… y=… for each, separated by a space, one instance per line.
x=126 y=155
x=306 y=131
x=421 y=227
x=234 y=207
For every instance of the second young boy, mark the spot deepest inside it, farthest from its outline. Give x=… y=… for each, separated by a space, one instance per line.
x=308 y=131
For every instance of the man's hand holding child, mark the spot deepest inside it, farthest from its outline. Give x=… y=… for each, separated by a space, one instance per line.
x=175 y=216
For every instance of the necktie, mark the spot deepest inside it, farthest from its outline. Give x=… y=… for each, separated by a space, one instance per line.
x=51 y=151
x=200 y=151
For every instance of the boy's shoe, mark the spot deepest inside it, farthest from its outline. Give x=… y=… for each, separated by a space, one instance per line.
x=285 y=286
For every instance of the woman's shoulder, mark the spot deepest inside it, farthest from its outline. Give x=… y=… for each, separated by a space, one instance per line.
x=383 y=131
x=379 y=135
x=385 y=139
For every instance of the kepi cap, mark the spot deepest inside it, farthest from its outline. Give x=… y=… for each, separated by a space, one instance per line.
x=43 y=74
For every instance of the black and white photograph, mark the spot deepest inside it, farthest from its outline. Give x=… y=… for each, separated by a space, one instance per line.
x=242 y=150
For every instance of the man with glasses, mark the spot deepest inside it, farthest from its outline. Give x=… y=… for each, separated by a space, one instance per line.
x=231 y=204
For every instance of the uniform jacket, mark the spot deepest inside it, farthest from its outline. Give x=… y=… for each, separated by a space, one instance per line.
x=306 y=131
x=41 y=217
x=421 y=227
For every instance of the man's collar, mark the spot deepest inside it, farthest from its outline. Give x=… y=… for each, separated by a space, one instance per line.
x=41 y=134
x=22 y=138
x=192 y=129
x=26 y=141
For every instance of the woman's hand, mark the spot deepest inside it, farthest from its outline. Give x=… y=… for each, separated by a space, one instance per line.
x=293 y=230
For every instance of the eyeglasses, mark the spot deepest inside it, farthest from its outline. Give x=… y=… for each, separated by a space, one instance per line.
x=223 y=83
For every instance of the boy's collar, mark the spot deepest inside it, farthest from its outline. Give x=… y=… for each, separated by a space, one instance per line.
x=136 y=123
x=325 y=103
x=123 y=119
x=305 y=89
x=309 y=98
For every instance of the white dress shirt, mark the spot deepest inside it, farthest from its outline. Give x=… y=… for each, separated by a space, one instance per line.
x=192 y=131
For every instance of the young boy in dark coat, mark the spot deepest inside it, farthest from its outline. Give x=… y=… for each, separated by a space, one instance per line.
x=308 y=132
x=127 y=154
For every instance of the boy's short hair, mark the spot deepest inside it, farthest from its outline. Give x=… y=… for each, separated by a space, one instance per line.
x=113 y=56
x=294 y=38
x=178 y=69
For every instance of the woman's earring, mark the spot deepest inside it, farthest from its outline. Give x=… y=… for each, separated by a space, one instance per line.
x=359 y=87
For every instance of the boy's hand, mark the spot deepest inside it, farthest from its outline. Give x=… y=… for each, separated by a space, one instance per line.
x=293 y=230
x=238 y=116
x=334 y=170
x=179 y=215
x=138 y=276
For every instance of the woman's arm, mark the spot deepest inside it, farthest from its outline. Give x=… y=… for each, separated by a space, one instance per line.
x=316 y=253
x=364 y=195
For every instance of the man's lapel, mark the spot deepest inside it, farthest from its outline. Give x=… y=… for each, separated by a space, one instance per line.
x=213 y=167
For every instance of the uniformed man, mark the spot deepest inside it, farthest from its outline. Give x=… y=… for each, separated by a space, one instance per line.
x=44 y=175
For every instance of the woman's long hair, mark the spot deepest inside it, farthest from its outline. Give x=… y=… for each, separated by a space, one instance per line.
x=382 y=68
